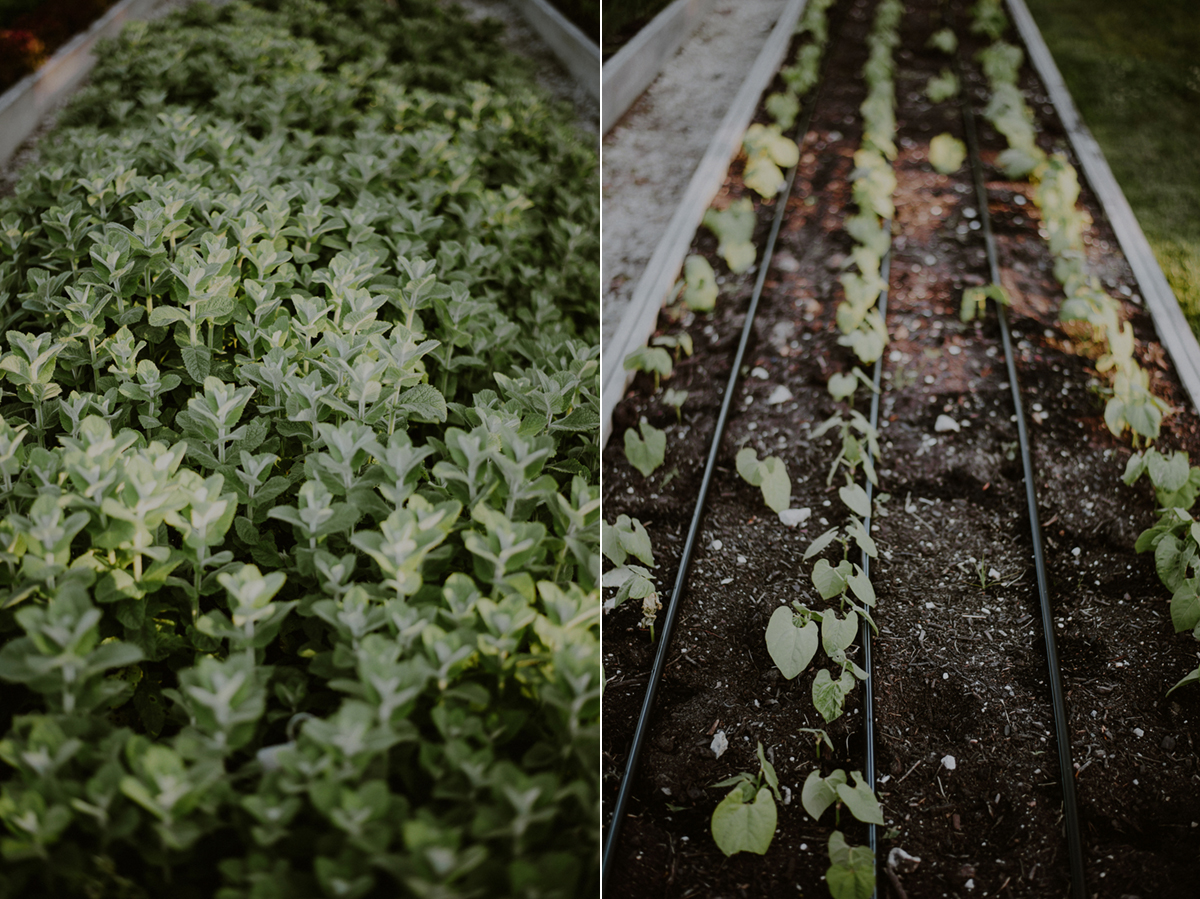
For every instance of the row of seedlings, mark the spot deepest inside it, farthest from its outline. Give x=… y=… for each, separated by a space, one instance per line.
x=299 y=457
x=792 y=635
x=1132 y=406
x=748 y=818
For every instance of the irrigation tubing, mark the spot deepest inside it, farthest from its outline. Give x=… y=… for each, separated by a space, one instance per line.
x=672 y=609
x=869 y=683
x=1061 y=726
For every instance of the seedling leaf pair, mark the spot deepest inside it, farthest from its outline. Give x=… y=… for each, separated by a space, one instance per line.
x=770 y=474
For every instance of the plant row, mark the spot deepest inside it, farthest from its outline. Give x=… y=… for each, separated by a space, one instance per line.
x=299 y=458
x=1132 y=405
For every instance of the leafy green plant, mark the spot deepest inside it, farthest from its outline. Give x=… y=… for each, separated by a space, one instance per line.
x=675 y=399
x=654 y=360
x=626 y=538
x=945 y=40
x=681 y=343
x=943 y=86
x=1174 y=538
x=769 y=474
x=745 y=819
x=974 y=301
x=647 y=451
x=302 y=368
x=851 y=873
x=734 y=226
x=947 y=154
x=767 y=152
x=699 y=284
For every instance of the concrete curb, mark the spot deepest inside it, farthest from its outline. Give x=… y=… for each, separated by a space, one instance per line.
x=1173 y=330
x=658 y=279
x=573 y=48
x=637 y=64
x=25 y=104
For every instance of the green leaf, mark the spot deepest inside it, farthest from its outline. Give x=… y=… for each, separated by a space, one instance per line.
x=776 y=485
x=861 y=585
x=946 y=154
x=739 y=825
x=198 y=362
x=821 y=792
x=791 y=646
x=1191 y=677
x=830 y=581
x=860 y=800
x=749 y=467
x=855 y=497
x=422 y=403
x=842 y=386
x=734 y=227
x=820 y=543
x=1185 y=606
x=852 y=872
x=838 y=633
x=700 y=292
x=645 y=453
x=1167 y=473
x=829 y=695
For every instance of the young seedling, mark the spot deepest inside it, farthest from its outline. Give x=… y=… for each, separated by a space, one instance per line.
x=974 y=301
x=851 y=873
x=745 y=819
x=947 y=154
x=680 y=344
x=734 y=227
x=699 y=284
x=628 y=537
x=767 y=153
x=942 y=87
x=675 y=399
x=652 y=359
x=645 y=453
x=769 y=474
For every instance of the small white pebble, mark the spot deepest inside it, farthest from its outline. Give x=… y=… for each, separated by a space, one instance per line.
x=741 y=560
x=716 y=545
x=945 y=423
x=949 y=763
x=720 y=743
x=953 y=350
x=792 y=517
x=758 y=372
x=1076 y=551
x=779 y=395
x=1138 y=732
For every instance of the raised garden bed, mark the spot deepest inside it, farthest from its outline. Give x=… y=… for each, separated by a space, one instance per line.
x=959 y=669
x=299 y=459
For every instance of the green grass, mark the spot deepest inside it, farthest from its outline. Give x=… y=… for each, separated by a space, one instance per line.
x=1135 y=76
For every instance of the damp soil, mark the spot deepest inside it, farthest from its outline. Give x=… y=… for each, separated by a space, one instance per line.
x=959 y=667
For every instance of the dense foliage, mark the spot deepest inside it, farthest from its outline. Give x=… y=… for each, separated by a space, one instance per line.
x=299 y=452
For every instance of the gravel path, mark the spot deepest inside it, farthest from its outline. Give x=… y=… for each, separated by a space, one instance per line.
x=650 y=154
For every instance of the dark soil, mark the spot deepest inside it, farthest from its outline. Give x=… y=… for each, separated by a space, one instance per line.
x=959 y=664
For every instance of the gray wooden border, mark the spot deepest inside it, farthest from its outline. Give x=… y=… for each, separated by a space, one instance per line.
x=1173 y=329
x=23 y=106
x=656 y=283
x=632 y=69
x=573 y=48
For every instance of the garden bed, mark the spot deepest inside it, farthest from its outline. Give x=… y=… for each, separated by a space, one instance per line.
x=299 y=459
x=959 y=668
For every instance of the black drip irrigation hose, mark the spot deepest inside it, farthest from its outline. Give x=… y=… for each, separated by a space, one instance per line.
x=885 y=270
x=672 y=610
x=1061 y=725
